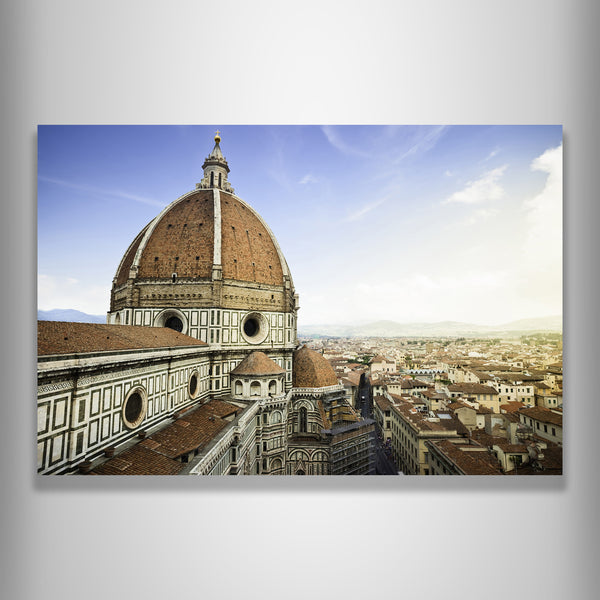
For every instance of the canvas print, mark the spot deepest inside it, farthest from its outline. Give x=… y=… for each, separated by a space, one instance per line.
x=299 y=300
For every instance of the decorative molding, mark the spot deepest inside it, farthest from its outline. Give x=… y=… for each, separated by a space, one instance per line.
x=55 y=387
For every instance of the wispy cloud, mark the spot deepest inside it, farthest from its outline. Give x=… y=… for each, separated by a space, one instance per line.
x=486 y=188
x=334 y=138
x=367 y=208
x=423 y=141
x=280 y=178
x=102 y=191
x=308 y=178
x=491 y=155
x=277 y=166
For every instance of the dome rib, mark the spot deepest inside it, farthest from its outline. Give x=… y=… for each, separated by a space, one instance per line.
x=122 y=274
x=179 y=240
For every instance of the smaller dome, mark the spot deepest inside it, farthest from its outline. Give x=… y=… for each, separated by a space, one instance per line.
x=256 y=364
x=312 y=370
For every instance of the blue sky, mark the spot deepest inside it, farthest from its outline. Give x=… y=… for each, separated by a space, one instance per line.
x=408 y=223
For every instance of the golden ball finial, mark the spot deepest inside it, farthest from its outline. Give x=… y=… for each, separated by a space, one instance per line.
x=217 y=137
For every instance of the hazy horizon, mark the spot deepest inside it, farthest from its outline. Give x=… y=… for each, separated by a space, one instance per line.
x=358 y=322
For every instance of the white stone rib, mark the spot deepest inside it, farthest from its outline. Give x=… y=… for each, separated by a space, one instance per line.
x=217 y=228
x=284 y=265
x=153 y=224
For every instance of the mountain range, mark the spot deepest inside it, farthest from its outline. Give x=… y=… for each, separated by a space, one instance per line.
x=552 y=324
x=68 y=314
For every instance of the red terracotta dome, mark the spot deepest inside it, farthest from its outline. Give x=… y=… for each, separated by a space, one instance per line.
x=208 y=248
x=258 y=363
x=312 y=370
x=181 y=240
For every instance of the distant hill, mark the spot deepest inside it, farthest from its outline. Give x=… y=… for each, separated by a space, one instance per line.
x=68 y=314
x=441 y=329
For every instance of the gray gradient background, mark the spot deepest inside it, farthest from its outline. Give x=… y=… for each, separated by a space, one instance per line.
x=514 y=62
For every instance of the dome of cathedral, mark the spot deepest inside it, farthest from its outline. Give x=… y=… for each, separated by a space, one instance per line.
x=182 y=240
x=312 y=370
x=208 y=248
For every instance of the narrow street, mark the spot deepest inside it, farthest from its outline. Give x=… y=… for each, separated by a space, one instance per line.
x=384 y=465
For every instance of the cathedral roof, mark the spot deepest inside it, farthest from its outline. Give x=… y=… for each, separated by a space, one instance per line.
x=139 y=460
x=57 y=337
x=257 y=363
x=312 y=370
x=155 y=455
x=200 y=230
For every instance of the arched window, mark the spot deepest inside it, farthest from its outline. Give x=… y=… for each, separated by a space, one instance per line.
x=272 y=387
x=239 y=388
x=276 y=417
x=212 y=179
x=303 y=420
x=319 y=463
x=220 y=178
x=255 y=388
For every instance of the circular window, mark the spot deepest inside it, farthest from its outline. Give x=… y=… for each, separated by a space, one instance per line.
x=255 y=328
x=173 y=319
x=193 y=385
x=174 y=323
x=134 y=407
x=251 y=327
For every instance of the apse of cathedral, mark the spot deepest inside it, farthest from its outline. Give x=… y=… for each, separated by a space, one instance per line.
x=198 y=370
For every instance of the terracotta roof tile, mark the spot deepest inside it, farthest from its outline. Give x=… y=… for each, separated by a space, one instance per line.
x=472 y=388
x=382 y=402
x=511 y=406
x=467 y=458
x=185 y=231
x=139 y=460
x=312 y=370
x=257 y=363
x=193 y=430
x=57 y=337
x=155 y=455
x=353 y=378
x=248 y=252
x=545 y=415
